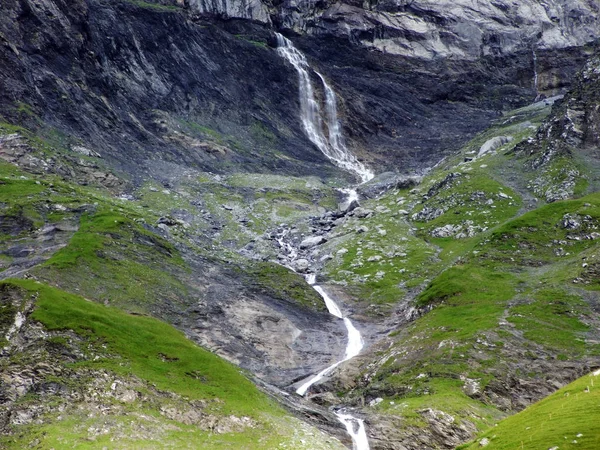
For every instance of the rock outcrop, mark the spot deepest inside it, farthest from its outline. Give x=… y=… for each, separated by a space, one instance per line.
x=435 y=29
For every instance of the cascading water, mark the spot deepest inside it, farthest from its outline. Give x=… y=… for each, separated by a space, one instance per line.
x=354 y=426
x=332 y=147
x=536 y=78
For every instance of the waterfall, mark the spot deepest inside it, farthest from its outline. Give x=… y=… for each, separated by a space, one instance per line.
x=354 y=426
x=358 y=433
x=332 y=146
x=535 y=73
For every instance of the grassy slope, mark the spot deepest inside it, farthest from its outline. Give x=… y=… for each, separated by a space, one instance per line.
x=165 y=361
x=565 y=420
x=504 y=299
x=112 y=258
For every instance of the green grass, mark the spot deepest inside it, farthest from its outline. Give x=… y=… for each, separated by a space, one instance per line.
x=570 y=414
x=510 y=274
x=154 y=6
x=112 y=258
x=284 y=284
x=162 y=358
x=534 y=238
x=551 y=318
x=138 y=342
x=466 y=199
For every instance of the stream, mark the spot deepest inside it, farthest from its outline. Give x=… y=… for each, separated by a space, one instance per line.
x=333 y=147
x=354 y=426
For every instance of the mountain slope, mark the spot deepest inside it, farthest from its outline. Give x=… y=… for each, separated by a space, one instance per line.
x=562 y=420
x=491 y=292
x=156 y=171
x=76 y=373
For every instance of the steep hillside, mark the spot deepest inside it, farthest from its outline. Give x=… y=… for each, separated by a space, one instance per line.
x=560 y=421
x=75 y=373
x=166 y=204
x=492 y=292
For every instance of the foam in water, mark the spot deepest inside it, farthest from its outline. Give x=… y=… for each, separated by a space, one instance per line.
x=355 y=341
x=333 y=146
x=356 y=429
x=332 y=306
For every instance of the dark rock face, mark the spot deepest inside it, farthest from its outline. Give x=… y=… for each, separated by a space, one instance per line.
x=571 y=130
x=139 y=84
x=158 y=82
x=574 y=121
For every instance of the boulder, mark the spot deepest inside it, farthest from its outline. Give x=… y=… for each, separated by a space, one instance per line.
x=301 y=265
x=312 y=241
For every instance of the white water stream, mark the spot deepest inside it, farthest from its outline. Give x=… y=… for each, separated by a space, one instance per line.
x=333 y=146
x=355 y=427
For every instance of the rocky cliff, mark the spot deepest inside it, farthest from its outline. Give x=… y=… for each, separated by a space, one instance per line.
x=432 y=29
x=142 y=82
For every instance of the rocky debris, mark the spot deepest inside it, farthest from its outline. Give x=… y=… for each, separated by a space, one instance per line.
x=427 y=214
x=446 y=183
x=362 y=213
x=463 y=230
x=301 y=265
x=194 y=415
x=35 y=245
x=471 y=387
x=85 y=151
x=18 y=150
x=351 y=206
x=446 y=428
x=168 y=221
x=386 y=181
x=571 y=221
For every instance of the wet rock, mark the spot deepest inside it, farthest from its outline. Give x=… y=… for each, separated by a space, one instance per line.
x=168 y=221
x=493 y=144
x=446 y=428
x=384 y=182
x=349 y=207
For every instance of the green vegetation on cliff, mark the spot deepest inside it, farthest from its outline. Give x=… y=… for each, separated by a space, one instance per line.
x=132 y=381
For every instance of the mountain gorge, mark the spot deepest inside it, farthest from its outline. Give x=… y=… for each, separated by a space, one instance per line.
x=163 y=208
